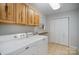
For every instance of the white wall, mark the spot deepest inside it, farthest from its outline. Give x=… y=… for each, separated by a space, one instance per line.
x=6 y=29
x=43 y=20
x=72 y=25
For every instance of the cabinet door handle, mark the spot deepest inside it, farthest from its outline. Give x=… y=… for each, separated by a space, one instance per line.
x=27 y=48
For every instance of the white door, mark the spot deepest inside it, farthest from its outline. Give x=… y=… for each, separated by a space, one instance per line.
x=59 y=31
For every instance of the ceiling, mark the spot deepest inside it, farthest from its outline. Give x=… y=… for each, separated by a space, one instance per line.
x=45 y=8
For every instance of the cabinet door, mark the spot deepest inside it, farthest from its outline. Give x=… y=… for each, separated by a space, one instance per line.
x=36 y=18
x=43 y=47
x=2 y=11
x=18 y=13
x=23 y=14
x=37 y=48
x=26 y=14
x=29 y=51
x=30 y=16
x=10 y=12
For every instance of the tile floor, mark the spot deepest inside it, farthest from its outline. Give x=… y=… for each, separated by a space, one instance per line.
x=58 y=49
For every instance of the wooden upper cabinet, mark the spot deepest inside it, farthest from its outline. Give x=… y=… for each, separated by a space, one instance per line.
x=36 y=18
x=10 y=12
x=2 y=11
x=26 y=14
x=33 y=17
x=30 y=16
x=21 y=14
x=18 y=13
x=6 y=12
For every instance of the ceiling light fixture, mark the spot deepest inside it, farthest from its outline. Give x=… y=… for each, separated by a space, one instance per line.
x=54 y=6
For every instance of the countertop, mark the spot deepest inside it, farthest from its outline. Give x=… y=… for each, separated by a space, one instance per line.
x=43 y=32
x=13 y=45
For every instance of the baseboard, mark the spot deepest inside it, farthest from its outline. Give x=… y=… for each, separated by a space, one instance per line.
x=77 y=51
x=74 y=47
